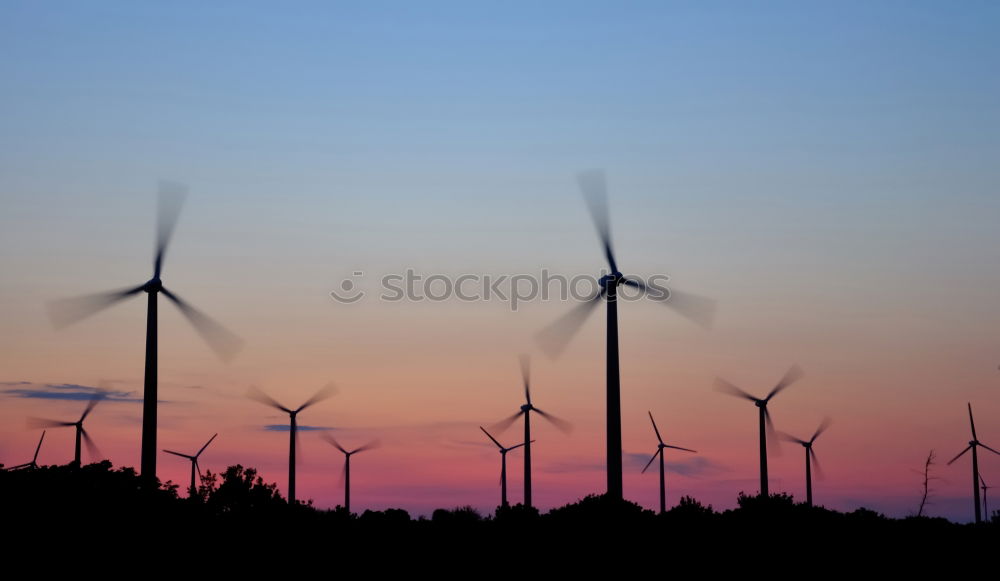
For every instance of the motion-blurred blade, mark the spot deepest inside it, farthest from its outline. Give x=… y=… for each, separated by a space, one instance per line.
x=655 y=429
x=972 y=424
x=343 y=474
x=793 y=374
x=369 y=446
x=822 y=428
x=34 y=458
x=205 y=446
x=256 y=394
x=679 y=448
x=491 y=437
x=696 y=308
x=94 y=400
x=559 y=423
x=179 y=454
x=332 y=441
x=655 y=454
x=221 y=340
x=594 y=186
x=170 y=201
x=65 y=312
x=791 y=438
x=816 y=465
x=502 y=425
x=35 y=423
x=323 y=393
x=962 y=453
x=771 y=433
x=92 y=449
x=554 y=338
x=526 y=376
x=728 y=388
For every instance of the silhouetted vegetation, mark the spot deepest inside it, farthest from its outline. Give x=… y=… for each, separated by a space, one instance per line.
x=238 y=505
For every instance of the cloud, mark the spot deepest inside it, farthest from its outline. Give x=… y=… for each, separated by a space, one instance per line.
x=695 y=466
x=65 y=391
x=286 y=428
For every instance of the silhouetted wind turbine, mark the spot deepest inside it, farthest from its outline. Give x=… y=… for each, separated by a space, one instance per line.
x=194 y=464
x=503 y=465
x=555 y=337
x=34 y=459
x=975 y=443
x=324 y=392
x=81 y=434
x=659 y=452
x=526 y=410
x=986 y=505
x=225 y=344
x=810 y=457
x=766 y=425
x=346 y=474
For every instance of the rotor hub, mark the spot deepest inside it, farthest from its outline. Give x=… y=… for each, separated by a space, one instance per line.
x=154 y=285
x=526 y=407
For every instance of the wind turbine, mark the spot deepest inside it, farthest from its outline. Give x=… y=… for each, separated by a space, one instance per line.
x=503 y=465
x=346 y=474
x=986 y=506
x=555 y=337
x=659 y=452
x=81 y=434
x=525 y=411
x=324 y=392
x=225 y=344
x=975 y=443
x=810 y=457
x=791 y=376
x=34 y=459
x=194 y=464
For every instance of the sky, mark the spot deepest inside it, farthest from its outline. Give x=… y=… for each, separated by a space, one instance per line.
x=826 y=171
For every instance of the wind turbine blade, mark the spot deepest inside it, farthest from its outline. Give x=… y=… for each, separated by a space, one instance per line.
x=35 y=423
x=554 y=338
x=505 y=423
x=815 y=463
x=594 y=186
x=962 y=453
x=526 y=376
x=369 y=446
x=92 y=449
x=491 y=437
x=655 y=429
x=225 y=344
x=171 y=199
x=65 y=312
x=772 y=434
x=205 y=446
x=793 y=374
x=332 y=441
x=679 y=448
x=559 y=423
x=791 y=438
x=822 y=428
x=34 y=458
x=19 y=466
x=256 y=394
x=988 y=448
x=655 y=454
x=91 y=404
x=696 y=308
x=323 y=393
x=179 y=454
x=972 y=424
x=197 y=467
x=728 y=388
x=516 y=446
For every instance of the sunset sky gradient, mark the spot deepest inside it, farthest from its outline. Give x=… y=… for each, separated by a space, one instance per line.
x=827 y=171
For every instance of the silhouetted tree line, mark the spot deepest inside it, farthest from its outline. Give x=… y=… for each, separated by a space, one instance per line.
x=238 y=506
